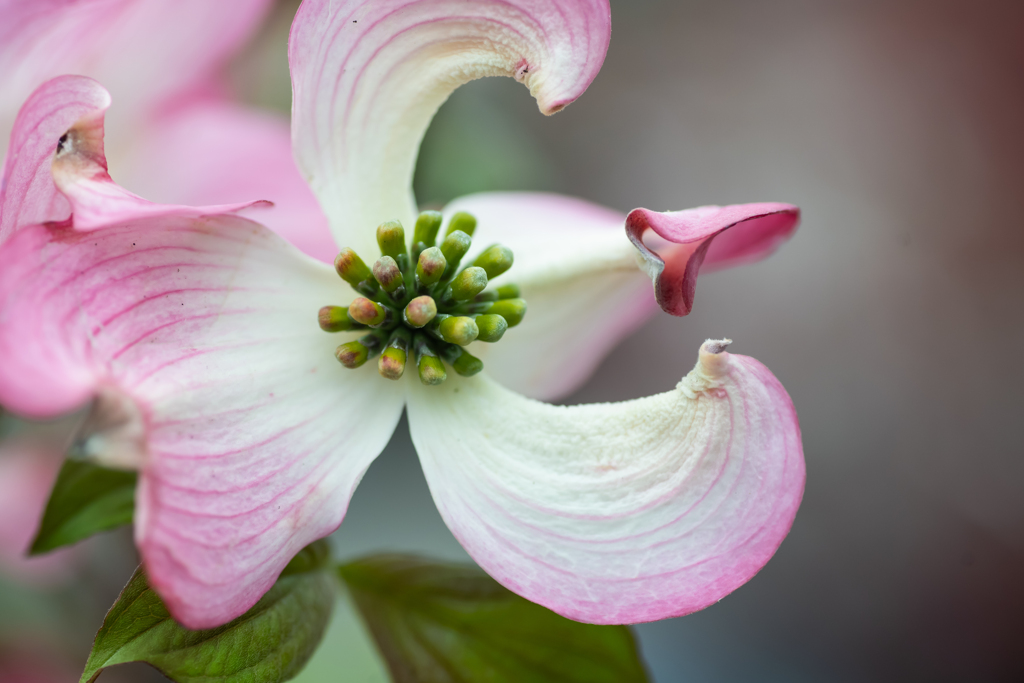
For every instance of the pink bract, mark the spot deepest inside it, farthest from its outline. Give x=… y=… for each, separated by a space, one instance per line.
x=250 y=438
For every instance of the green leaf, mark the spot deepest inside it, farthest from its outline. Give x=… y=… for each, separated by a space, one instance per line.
x=85 y=500
x=437 y=623
x=269 y=643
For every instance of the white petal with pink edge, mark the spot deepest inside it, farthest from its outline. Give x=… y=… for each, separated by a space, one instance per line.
x=617 y=513
x=579 y=276
x=255 y=436
x=368 y=75
x=710 y=237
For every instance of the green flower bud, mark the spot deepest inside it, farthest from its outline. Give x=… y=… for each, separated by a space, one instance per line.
x=454 y=247
x=495 y=260
x=463 y=221
x=391 y=240
x=492 y=327
x=427 y=225
x=420 y=311
x=462 y=361
x=508 y=292
x=468 y=283
x=352 y=354
x=512 y=310
x=368 y=312
x=458 y=330
x=428 y=365
x=391 y=364
x=353 y=271
x=431 y=266
x=336 y=319
x=431 y=370
x=388 y=274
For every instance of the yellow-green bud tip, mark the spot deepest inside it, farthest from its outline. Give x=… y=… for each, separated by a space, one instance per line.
x=469 y=283
x=458 y=330
x=352 y=354
x=431 y=266
x=336 y=319
x=495 y=260
x=492 y=327
x=427 y=225
x=512 y=310
x=466 y=222
x=431 y=370
x=351 y=268
x=391 y=239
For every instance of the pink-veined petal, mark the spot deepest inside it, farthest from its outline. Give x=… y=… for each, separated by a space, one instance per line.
x=27 y=192
x=57 y=165
x=197 y=336
x=143 y=51
x=623 y=512
x=254 y=435
x=368 y=75
x=210 y=151
x=708 y=236
x=579 y=276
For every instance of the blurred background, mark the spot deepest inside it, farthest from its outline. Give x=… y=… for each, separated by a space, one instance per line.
x=895 y=317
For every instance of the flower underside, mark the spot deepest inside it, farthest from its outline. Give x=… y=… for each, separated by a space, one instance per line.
x=420 y=303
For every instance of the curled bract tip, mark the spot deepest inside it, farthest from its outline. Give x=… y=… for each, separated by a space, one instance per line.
x=705 y=237
x=716 y=346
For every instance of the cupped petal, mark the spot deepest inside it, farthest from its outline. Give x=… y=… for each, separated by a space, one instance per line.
x=368 y=75
x=144 y=51
x=254 y=435
x=245 y=154
x=27 y=192
x=579 y=276
x=57 y=165
x=617 y=513
x=708 y=236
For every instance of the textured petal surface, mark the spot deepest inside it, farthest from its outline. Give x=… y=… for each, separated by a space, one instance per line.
x=143 y=51
x=580 y=279
x=708 y=236
x=245 y=154
x=27 y=192
x=368 y=75
x=617 y=513
x=255 y=435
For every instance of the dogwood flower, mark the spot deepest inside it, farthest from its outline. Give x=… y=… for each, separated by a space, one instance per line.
x=200 y=335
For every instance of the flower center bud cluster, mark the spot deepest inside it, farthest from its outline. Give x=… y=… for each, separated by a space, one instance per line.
x=417 y=305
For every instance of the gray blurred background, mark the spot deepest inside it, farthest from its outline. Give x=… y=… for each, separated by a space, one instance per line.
x=895 y=317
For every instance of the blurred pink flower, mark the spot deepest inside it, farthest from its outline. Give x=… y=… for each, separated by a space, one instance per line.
x=28 y=467
x=193 y=329
x=162 y=60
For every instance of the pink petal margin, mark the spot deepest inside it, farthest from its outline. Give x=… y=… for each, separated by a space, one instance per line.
x=27 y=192
x=708 y=236
x=368 y=75
x=624 y=512
x=203 y=325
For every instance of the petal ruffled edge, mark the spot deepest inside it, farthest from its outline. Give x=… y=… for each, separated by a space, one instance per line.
x=719 y=236
x=617 y=513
